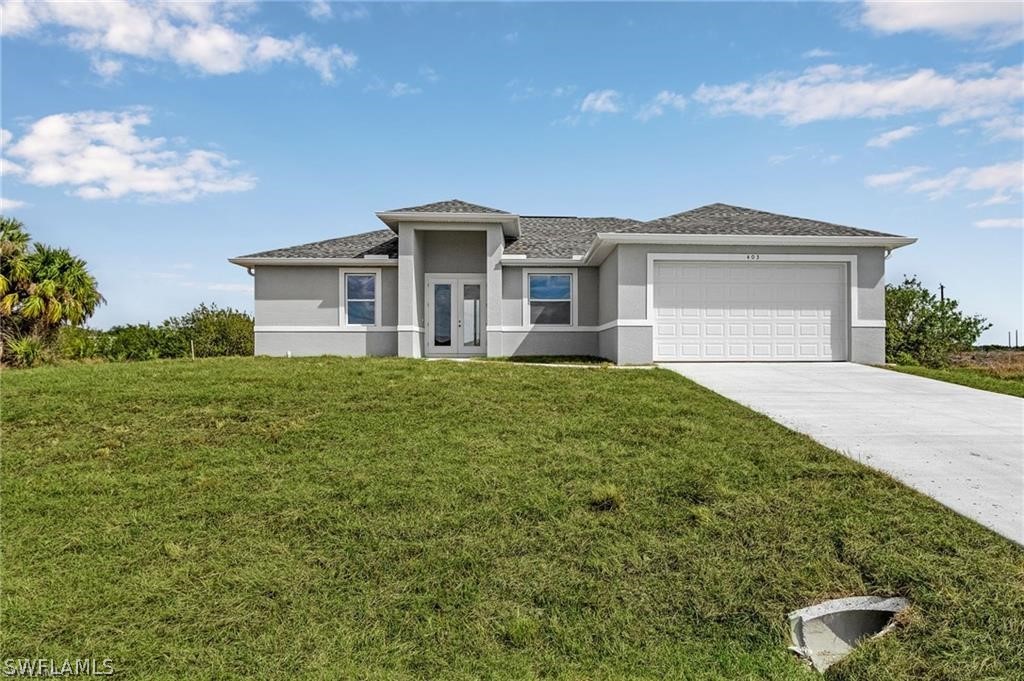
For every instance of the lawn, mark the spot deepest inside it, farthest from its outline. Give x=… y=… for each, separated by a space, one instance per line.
x=998 y=371
x=332 y=518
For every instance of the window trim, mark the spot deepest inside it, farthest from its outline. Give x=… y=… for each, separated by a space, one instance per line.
x=573 y=296
x=343 y=273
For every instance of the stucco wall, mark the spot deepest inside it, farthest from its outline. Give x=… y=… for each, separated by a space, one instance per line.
x=549 y=343
x=297 y=296
x=453 y=252
x=608 y=344
x=512 y=296
x=305 y=344
x=608 y=288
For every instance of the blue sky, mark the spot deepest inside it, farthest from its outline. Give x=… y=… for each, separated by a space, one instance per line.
x=156 y=141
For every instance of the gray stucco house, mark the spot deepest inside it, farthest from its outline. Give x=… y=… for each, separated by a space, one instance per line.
x=717 y=283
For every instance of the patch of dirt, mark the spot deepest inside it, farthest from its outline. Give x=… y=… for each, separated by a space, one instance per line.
x=1000 y=363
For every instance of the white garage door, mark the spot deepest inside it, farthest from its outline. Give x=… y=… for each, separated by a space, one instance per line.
x=754 y=311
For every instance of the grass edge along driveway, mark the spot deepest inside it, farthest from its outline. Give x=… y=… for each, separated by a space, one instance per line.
x=966 y=376
x=387 y=518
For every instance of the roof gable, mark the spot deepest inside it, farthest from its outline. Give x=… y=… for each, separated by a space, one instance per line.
x=450 y=206
x=560 y=236
x=721 y=218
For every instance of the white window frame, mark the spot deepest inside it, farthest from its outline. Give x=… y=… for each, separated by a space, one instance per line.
x=573 y=296
x=343 y=272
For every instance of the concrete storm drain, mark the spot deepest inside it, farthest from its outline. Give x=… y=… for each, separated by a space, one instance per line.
x=825 y=633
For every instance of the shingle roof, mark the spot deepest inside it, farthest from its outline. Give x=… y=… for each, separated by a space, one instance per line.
x=450 y=206
x=720 y=218
x=560 y=237
x=380 y=242
x=566 y=236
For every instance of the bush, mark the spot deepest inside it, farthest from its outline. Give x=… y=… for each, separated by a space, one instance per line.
x=216 y=332
x=921 y=329
x=77 y=342
x=26 y=351
x=141 y=342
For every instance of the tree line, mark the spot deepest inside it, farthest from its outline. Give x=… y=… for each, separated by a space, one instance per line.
x=47 y=295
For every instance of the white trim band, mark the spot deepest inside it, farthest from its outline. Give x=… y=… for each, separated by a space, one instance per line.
x=265 y=328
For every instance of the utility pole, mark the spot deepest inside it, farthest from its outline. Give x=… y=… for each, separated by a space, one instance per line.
x=942 y=310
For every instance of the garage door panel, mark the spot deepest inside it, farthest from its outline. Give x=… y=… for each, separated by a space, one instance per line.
x=750 y=311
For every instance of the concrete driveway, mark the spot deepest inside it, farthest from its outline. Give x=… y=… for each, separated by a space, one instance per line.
x=962 y=447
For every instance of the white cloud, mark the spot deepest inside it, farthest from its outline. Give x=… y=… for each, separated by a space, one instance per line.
x=10 y=204
x=428 y=74
x=233 y=288
x=833 y=92
x=938 y=187
x=403 y=89
x=1000 y=223
x=1004 y=180
x=779 y=159
x=5 y=137
x=893 y=178
x=1008 y=126
x=352 y=12
x=511 y=37
x=818 y=53
x=203 y=36
x=602 y=101
x=526 y=90
x=99 y=155
x=1001 y=23
x=887 y=139
x=107 y=69
x=9 y=168
x=319 y=10
x=663 y=100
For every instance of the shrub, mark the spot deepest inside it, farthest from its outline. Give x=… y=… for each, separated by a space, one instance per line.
x=141 y=342
x=216 y=332
x=26 y=351
x=77 y=342
x=921 y=329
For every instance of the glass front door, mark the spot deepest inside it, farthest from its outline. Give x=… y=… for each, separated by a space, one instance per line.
x=455 y=315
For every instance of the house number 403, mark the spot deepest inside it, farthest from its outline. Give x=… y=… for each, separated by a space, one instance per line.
x=753 y=256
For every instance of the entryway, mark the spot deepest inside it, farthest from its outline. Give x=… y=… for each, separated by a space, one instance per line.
x=455 y=312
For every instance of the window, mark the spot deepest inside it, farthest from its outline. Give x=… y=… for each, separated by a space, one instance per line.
x=360 y=299
x=550 y=298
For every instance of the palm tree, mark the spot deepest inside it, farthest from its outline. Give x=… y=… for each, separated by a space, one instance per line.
x=42 y=288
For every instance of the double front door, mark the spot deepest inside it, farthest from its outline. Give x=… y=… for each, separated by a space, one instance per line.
x=455 y=312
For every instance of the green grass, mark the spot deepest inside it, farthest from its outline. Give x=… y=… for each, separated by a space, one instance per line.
x=397 y=519
x=971 y=377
